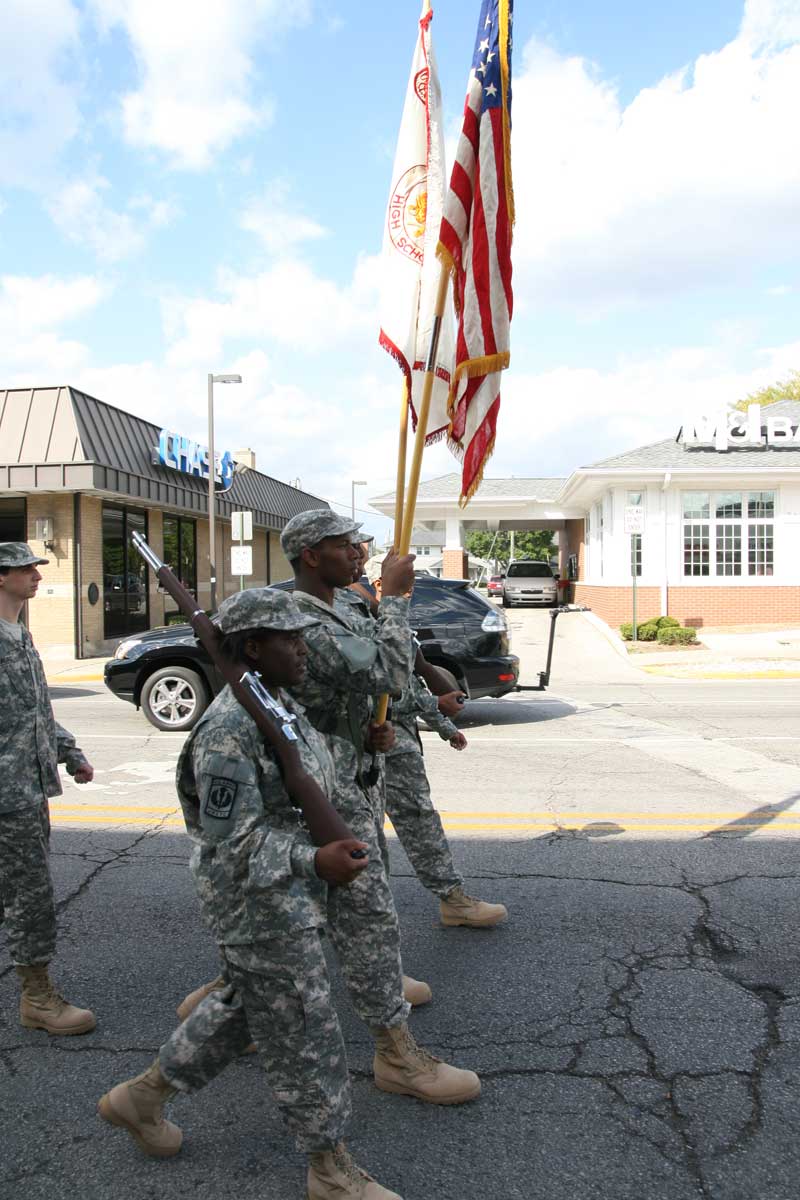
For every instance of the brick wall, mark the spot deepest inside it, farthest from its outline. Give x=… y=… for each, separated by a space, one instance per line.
x=575 y=542
x=756 y=605
x=92 y=572
x=280 y=567
x=455 y=564
x=699 y=607
x=51 y=615
x=614 y=604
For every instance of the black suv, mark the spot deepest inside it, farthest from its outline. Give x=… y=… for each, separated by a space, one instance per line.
x=168 y=674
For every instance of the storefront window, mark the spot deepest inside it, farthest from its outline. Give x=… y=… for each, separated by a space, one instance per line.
x=180 y=553
x=721 y=519
x=12 y=520
x=125 y=600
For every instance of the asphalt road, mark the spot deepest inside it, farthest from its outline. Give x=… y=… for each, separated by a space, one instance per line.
x=636 y=1023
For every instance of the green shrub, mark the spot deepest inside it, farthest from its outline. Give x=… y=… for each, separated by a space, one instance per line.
x=668 y=623
x=626 y=631
x=647 y=632
x=677 y=637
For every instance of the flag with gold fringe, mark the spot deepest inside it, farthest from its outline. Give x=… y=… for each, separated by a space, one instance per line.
x=409 y=267
x=475 y=246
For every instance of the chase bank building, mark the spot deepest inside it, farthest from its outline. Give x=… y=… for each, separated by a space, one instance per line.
x=77 y=476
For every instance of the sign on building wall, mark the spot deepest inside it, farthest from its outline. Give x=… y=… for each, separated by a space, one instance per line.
x=728 y=429
x=191 y=458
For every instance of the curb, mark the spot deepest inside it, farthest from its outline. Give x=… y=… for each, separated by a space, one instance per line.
x=60 y=679
x=613 y=640
x=669 y=671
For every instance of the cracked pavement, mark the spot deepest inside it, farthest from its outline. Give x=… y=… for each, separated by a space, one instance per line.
x=636 y=1024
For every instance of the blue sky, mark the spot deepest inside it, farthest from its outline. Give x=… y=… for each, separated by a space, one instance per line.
x=201 y=186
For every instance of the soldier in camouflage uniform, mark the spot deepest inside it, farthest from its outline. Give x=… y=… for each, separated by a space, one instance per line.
x=260 y=882
x=33 y=744
x=353 y=659
x=408 y=799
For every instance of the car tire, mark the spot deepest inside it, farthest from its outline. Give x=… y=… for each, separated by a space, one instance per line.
x=174 y=699
x=507 y=603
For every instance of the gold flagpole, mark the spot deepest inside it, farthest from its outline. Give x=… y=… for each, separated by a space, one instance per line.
x=402 y=450
x=419 y=441
x=424 y=413
x=403 y=522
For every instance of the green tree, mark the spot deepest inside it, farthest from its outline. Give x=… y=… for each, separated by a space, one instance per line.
x=537 y=543
x=786 y=389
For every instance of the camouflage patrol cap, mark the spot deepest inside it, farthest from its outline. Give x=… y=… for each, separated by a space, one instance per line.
x=261 y=608
x=19 y=554
x=308 y=528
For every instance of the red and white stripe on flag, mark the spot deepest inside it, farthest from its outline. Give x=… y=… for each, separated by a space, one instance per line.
x=409 y=267
x=475 y=244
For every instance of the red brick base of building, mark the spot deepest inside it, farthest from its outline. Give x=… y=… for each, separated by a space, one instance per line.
x=455 y=564
x=713 y=605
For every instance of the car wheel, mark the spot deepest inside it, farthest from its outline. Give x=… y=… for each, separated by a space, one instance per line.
x=174 y=699
x=507 y=603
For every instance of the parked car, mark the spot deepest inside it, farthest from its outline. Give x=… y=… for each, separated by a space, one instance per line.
x=529 y=581
x=168 y=674
x=495 y=585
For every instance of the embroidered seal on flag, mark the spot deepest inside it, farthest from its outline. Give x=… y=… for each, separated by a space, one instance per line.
x=221 y=798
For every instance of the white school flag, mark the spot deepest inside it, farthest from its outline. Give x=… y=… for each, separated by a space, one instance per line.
x=410 y=268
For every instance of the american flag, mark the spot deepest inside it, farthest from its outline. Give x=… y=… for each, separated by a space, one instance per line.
x=475 y=244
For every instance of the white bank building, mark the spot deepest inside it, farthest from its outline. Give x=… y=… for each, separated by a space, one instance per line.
x=718 y=506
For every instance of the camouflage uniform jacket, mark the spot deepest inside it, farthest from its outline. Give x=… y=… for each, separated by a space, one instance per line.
x=416 y=701
x=352 y=659
x=253 y=859
x=32 y=743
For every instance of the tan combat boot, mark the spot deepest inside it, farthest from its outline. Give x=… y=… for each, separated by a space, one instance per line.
x=187 y=1006
x=332 y=1175
x=41 y=1007
x=136 y=1105
x=460 y=909
x=416 y=992
x=401 y=1066
x=190 y=1003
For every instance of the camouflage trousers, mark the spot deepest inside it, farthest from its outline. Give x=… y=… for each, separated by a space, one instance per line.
x=26 y=890
x=362 y=920
x=278 y=996
x=417 y=823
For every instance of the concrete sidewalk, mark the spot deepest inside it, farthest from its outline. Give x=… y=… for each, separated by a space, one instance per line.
x=724 y=654
x=61 y=671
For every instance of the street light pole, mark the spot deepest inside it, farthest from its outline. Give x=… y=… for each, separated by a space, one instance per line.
x=354 y=483
x=212 y=504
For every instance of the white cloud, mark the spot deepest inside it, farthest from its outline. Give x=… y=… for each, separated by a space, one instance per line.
x=274 y=220
x=555 y=420
x=197 y=72
x=32 y=310
x=694 y=182
x=288 y=304
x=39 y=114
x=82 y=214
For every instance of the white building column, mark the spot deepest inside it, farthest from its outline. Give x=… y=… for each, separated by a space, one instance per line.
x=455 y=563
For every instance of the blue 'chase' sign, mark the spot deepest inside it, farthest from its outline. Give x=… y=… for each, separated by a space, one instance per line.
x=182 y=454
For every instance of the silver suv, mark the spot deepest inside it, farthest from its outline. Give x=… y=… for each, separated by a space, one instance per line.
x=529 y=581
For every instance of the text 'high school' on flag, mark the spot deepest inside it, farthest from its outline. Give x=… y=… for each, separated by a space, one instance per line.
x=409 y=267
x=475 y=244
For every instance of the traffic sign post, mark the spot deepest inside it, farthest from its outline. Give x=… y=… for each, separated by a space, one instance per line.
x=242 y=531
x=634 y=525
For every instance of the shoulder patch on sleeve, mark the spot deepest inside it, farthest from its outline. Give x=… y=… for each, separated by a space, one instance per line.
x=220 y=798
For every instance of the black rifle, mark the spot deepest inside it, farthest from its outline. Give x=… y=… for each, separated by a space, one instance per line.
x=274 y=722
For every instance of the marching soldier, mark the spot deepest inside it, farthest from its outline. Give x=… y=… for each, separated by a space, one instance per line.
x=352 y=660
x=408 y=799
x=260 y=882
x=32 y=746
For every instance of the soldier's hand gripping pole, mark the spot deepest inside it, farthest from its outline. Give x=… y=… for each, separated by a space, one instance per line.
x=274 y=723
